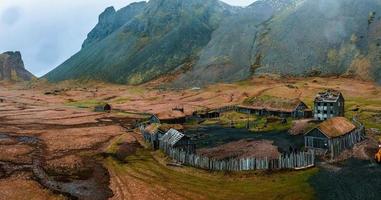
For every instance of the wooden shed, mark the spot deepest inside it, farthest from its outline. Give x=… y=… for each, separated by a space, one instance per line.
x=333 y=136
x=175 y=139
x=103 y=108
x=152 y=134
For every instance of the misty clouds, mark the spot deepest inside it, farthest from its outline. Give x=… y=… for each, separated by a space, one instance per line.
x=49 y=32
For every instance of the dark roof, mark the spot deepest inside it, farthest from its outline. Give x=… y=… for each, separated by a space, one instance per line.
x=102 y=107
x=336 y=127
x=328 y=96
x=172 y=137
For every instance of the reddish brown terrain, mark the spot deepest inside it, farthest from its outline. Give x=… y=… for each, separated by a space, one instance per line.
x=53 y=146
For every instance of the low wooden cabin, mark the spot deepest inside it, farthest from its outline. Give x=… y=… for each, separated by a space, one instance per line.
x=333 y=136
x=274 y=106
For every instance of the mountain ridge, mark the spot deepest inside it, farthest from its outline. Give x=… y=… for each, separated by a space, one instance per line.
x=223 y=43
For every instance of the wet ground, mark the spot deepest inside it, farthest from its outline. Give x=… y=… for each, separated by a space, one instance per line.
x=94 y=186
x=215 y=135
x=350 y=180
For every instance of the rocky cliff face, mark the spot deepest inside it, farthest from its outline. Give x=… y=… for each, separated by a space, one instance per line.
x=144 y=41
x=12 y=67
x=221 y=43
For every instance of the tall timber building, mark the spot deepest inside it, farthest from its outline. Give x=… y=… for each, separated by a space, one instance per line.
x=328 y=104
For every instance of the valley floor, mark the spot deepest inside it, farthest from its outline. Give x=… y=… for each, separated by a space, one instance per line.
x=52 y=141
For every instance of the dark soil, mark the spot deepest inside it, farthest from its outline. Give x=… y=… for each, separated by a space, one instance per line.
x=355 y=180
x=212 y=136
x=125 y=149
x=92 y=185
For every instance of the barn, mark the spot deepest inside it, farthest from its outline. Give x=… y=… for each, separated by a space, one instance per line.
x=176 y=140
x=333 y=136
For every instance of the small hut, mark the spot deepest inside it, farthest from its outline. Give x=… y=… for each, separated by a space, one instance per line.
x=103 y=108
x=176 y=140
x=333 y=136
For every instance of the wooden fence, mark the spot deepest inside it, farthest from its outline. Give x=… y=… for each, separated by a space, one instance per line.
x=338 y=145
x=286 y=161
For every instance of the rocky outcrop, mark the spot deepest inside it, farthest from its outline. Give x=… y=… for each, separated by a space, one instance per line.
x=12 y=67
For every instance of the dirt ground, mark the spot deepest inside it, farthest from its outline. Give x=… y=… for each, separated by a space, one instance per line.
x=54 y=139
x=243 y=149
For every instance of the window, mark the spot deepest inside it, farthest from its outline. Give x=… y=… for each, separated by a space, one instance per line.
x=331 y=104
x=325 y=104
x=318 y=104
x=318 y=111
x=325 y=112
x=331 y=111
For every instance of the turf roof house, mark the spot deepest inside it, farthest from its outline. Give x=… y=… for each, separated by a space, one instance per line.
x=274 y=106
x=328 y=104
x=334 y=136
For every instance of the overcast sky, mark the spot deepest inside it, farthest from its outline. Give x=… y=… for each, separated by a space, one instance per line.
x=47 y=32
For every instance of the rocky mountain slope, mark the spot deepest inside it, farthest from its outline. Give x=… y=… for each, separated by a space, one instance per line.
x=154 y=39
x=210 y=41
x=12 y=67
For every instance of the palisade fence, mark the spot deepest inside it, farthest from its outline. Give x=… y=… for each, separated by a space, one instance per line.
x=298 y=160
x=338 y=145
x=285 y=161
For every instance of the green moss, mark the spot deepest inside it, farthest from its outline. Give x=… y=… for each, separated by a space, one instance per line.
x=121 y=100
x=195 y=184
x=91 y=103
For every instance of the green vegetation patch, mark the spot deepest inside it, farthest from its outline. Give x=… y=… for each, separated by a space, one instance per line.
x=192 y=183
x=91 y=103
x=256 y=123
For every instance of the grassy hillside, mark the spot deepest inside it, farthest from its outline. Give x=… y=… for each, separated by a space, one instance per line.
x=203 y=42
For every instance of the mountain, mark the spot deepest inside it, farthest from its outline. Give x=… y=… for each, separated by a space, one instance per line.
x=144 y=40
x=209 y=41
x=12 y=67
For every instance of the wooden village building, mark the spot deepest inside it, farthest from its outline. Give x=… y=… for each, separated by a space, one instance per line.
x=274 y=106
x=333 y=136
x=152 y=134
x=206 y=114
x=103 y=108
x=174 y=139
x=328 y=104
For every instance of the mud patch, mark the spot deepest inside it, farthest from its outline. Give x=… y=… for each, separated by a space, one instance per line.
x=123 y=150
